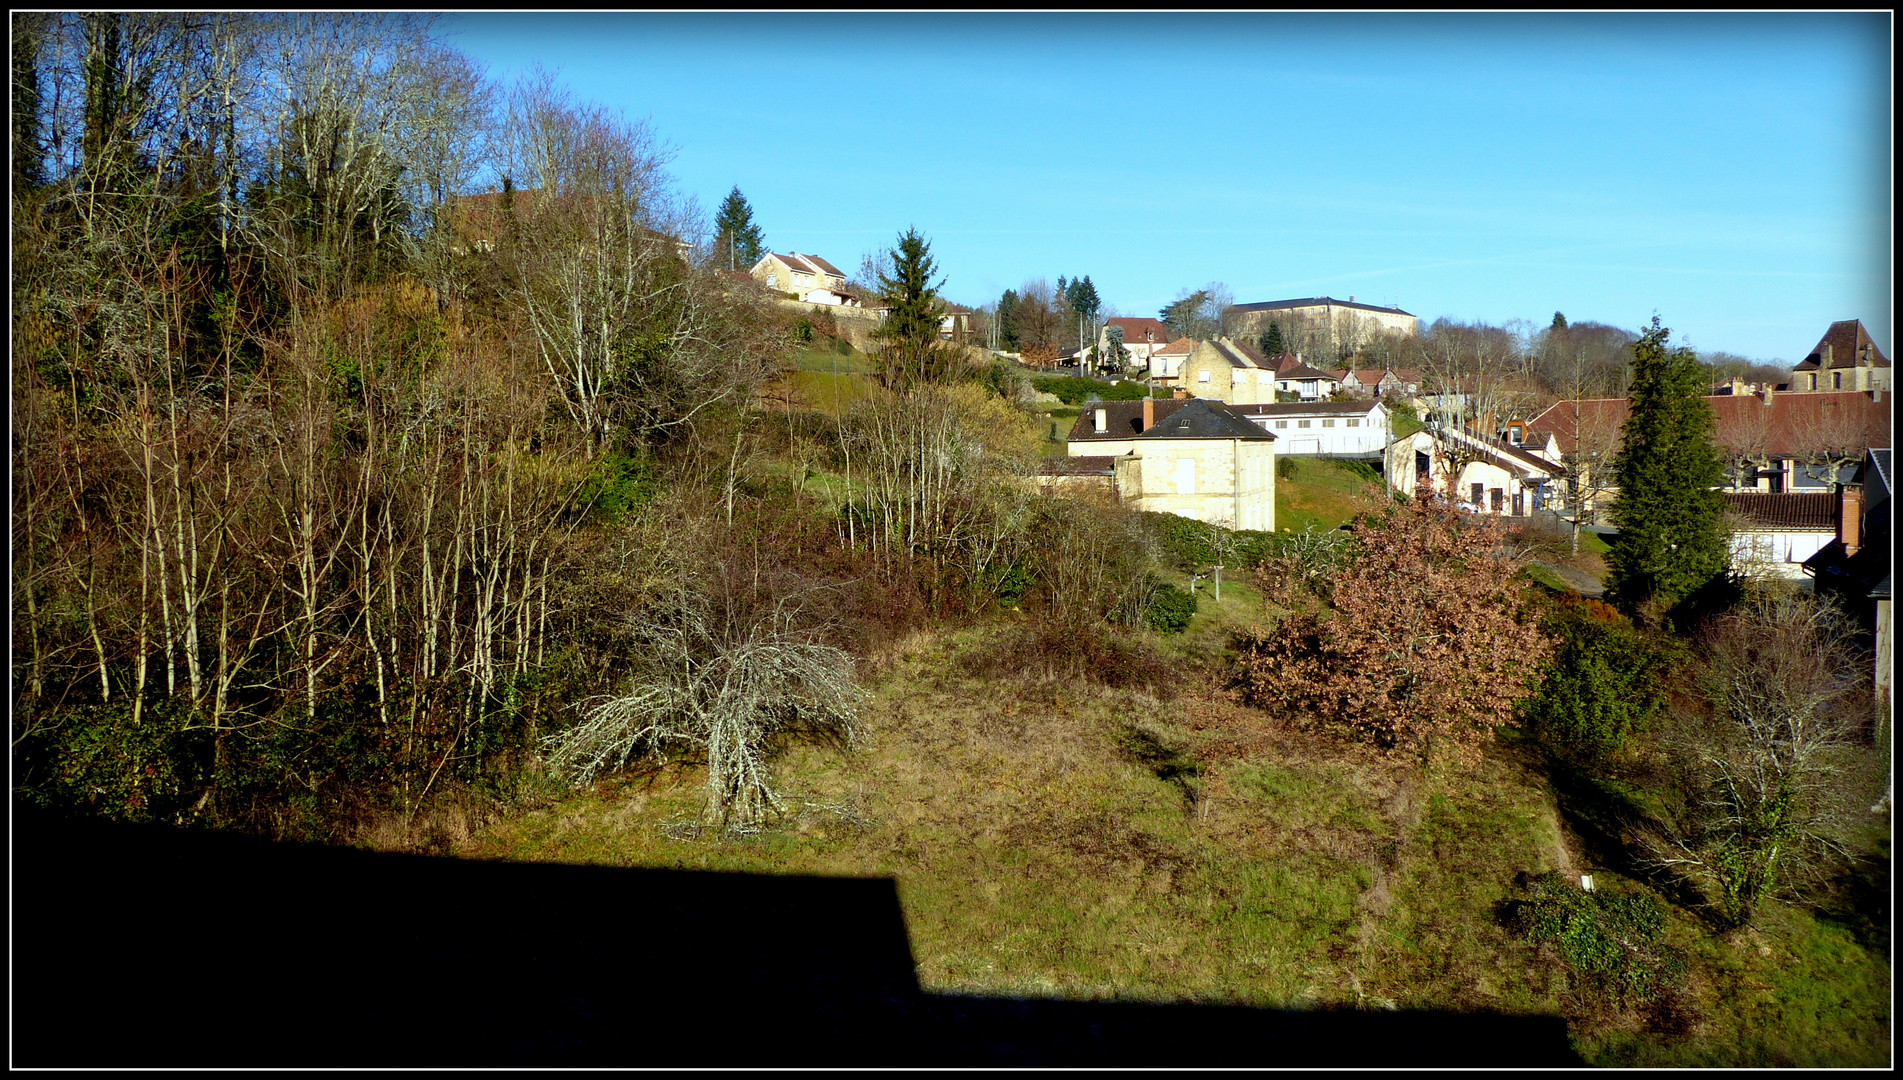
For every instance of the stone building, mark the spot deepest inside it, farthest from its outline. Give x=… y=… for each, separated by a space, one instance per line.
x=1844 y=359
x=1191 y=457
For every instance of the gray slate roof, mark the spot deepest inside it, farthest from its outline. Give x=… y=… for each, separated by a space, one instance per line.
x=1316 y=301
x=1191 y=418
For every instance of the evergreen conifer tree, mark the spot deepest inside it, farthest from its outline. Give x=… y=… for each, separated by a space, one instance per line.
x=1271 y=341
x=1007 y=317
x=737 y=239
x=1672 y=540
x=909 y=335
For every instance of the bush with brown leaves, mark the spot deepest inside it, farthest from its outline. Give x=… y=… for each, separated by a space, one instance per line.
x=1428 y=642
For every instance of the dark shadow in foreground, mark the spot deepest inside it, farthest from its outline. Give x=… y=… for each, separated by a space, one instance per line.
x=148 y=946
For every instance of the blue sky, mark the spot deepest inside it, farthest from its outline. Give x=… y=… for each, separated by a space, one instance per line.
x=1732 y=173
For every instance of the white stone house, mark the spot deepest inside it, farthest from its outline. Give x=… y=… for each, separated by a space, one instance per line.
x=1192 y=457
x=1324 y=428
x=1485 y=475
x=1773 y=534
x=1312 y=384
x=1166 y=363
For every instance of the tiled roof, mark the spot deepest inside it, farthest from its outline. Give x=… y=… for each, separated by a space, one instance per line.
x=1178 y=418
x=1087 y=465
x=1846 y=339
x=1182 y=345
x=1238 y=354
x=1311 y=408
x=1303 y=371
x=1790 y=424
x=809 y=264
x=1135 y=327
x=1807 y=512
x=1315 y=301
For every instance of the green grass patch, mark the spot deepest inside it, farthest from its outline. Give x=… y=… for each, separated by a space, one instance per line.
x=1323 y=493
x=830 y=361
x=832 y=394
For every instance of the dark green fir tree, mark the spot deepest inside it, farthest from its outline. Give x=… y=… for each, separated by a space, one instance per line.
x=1271 y=342
x=1672 y=539
x=737 y=240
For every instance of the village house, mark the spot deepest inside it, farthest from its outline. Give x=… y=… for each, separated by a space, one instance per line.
x=1141 y=338
x=1844 y=359
x=805 y=277
x=1310 y=384
x=1166 y=363
x=1229 y=371
x=1363 y=382
x=1345 y=429
x=1192 y=457
x=1481 y=474
x=1774 y=534
x=1854 y=567
x=1773 y=442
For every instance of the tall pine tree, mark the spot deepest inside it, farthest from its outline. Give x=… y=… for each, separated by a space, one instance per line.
x=1672 y=540
x=910 y=351
x=737 y=240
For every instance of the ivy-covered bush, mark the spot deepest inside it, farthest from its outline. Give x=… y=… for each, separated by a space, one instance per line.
x=1170 y=610
x=1610 y=941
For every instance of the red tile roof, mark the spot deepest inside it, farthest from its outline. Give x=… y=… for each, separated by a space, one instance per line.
x=1790 y=424
x=1136 y=326
x=1180 y=345
x=1807 y=512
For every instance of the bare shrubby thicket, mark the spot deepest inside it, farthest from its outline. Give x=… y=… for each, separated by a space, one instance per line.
x=1774 y=777
x=292 y=476
x=720 y=686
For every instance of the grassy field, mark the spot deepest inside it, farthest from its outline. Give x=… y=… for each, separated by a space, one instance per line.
x=1051 y=836
x=1323 y=493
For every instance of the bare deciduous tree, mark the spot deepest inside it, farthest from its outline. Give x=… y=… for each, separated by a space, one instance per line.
x=1771 y=780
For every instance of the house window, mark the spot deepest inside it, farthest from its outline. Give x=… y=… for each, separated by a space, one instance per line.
x=1301 y=423
x=1328 y=423
x=1354 y=423
x=1513 y=436
x=1836 y=380
x=1479 y=493
x=1813 y=381
x=1281 y=423
x=1202 y=376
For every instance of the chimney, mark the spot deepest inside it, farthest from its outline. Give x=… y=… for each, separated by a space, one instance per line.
x=1823 y=355
x=1149 y=414
x=1768 y=392
x=1103 y=421
x=1850 y=518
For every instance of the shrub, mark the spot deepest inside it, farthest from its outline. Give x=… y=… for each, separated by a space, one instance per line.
x=1606 y=681
x=1170 y=610
x=1428 y=644
x=1609 y=941
x=1285 y=468
x=723 y=685
x=1191 y=546
x=1074 y=389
